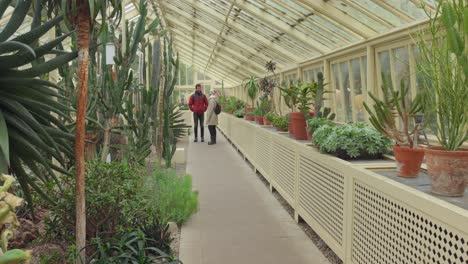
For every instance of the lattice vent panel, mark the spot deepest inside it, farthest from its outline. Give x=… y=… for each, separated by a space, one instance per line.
x=321 y=195
x=386 y=230
x=263 y=151
x=284 y=166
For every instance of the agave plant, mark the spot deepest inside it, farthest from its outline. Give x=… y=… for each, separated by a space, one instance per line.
x=29 y=110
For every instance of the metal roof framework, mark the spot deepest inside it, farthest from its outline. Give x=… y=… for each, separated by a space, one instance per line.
x=233 y=39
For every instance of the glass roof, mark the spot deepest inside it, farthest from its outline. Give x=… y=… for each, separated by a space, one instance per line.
x=231 y=39
x=287 y=31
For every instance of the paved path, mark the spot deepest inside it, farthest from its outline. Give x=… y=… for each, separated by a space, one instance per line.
x=239 y=220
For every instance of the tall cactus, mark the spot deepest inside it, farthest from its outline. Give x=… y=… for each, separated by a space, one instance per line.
x=319 y=100
x=116 y=85
x=169 y=127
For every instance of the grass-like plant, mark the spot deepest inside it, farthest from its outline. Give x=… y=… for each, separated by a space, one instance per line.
x=444 y=65
x=252 y=87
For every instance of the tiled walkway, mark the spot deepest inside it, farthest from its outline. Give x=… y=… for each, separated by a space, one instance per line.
x=239 y=220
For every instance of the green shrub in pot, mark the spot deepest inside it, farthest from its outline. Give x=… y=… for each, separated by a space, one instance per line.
x=351 y=141
x=281 y=122
x=271 y=116
x=314 y=123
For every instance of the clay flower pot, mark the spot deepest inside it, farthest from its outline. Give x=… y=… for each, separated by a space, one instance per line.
x=408 y=161
x=290 y=128
x=448 y=171
x=266 y=122
x=259 y=120
x=298 y=125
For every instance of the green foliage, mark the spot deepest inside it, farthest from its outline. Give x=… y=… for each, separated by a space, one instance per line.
x=184 y=107
x=314 y=123
x=9 y=223
x=351 y=141
x=271 y=116
x=29 y=110
x=280 y=122
x=263 y=105
x=132 y=247
x=159 y=233
x=319 y=98
x=251 y=85
x=240 y=112
x=53 y=257
x=110 y=188
x=231 y=103
x=169 y=197
x=290 y=94
x=444 y=65
x=400 y=127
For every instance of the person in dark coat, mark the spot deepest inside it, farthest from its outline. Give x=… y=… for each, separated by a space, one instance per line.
x=198 y=104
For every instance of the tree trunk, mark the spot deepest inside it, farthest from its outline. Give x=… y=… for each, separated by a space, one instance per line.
x=83 y=59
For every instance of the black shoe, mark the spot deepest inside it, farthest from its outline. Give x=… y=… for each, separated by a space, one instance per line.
x=202 y=140
x=211 y=143
x=196 y=140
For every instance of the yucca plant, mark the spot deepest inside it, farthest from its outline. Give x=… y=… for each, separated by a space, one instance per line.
x=29 y=110
x=252 y=87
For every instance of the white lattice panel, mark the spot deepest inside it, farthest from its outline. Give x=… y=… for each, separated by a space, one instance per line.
x=263 y=151
x=283 y=167
x=321 y=195
x=388 y=231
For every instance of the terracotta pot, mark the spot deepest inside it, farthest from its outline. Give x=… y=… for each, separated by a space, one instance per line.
x=280 y=130
x=259 y=120
x=290 y=128
x=247 y=110
x=298 y=125
x=266 y=122
x=448 y=171
x=408 y=161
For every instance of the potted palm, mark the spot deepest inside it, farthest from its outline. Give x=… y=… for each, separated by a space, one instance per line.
x=395 y=116
x=299 y=97
x=251 y=85
x=444 y=64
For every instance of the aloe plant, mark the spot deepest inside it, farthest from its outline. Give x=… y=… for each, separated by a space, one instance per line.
x=395 y=115
x=29 y=109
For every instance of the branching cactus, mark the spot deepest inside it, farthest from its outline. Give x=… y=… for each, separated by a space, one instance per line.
x=8 y=224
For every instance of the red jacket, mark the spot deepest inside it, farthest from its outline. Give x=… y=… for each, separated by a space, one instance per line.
x=198 y=103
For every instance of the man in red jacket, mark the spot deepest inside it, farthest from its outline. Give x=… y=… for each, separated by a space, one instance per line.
x=198 y=105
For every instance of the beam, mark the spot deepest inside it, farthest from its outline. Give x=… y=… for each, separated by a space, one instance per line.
x=202 y=58
x=373 y=16
x=178 y=13
x=274 y=22
x=235 y=62
x=199 y=64
x=395 y=11
x=340 y=17
x=182 y=28
x=205 y=55
x=315 y=23
x=270 y=44
x=220 y=33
